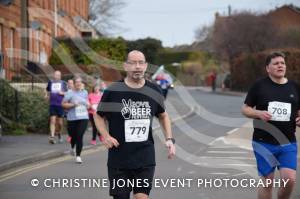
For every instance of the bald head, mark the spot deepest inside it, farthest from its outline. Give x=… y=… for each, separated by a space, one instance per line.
x=135 y=65
x=57 y=75
x=135 y=54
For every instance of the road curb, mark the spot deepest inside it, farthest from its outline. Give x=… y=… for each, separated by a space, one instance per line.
x=30 y=159
x=55 y=154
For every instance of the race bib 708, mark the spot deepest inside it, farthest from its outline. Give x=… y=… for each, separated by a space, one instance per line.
x=280 y=111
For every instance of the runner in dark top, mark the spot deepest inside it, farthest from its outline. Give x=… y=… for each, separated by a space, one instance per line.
x=274 y=102
x=129 y=107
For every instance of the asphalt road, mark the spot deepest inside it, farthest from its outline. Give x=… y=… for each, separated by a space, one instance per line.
x=202 y=157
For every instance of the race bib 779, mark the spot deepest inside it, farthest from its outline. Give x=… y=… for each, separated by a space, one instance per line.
x=137 y=130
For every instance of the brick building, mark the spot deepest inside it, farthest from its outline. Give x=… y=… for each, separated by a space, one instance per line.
x=28 y=27
x=285 y=17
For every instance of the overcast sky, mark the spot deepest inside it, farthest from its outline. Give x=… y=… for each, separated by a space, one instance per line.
x=175 y=21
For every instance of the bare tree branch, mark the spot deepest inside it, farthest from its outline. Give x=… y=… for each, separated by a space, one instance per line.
x=104 y=15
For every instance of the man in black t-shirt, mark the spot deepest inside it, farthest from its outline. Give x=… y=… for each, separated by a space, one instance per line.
x=129 y=106
x=274 y=102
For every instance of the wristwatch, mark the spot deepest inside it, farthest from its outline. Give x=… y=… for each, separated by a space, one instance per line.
x=172 y=139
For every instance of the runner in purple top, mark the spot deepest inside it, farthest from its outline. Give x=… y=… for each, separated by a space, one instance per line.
x=56 y=89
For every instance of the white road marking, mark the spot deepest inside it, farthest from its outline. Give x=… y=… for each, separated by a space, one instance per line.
x=239 y=174
x=231 y=157
x=218 y=173
x=240 y=165
x=179 y=169
x=220 y=140
x=231 y=152
x=232 y=131
x=223 y=147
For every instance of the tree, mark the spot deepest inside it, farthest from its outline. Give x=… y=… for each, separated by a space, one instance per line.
x=243 y=32
x=149 y=46
x=204 y=33
x=204 y=36
x=104 y=15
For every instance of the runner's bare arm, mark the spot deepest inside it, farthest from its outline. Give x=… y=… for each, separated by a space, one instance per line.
x=298 y=118
x=67 y=105
x=100 y=124
x=165 y=122
x=109 y=141
x=251 y=112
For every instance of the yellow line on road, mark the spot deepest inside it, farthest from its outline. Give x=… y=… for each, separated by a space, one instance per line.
x=32 y=167
x=46 y=163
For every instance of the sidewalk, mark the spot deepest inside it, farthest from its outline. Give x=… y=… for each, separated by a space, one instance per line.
x=16 y=151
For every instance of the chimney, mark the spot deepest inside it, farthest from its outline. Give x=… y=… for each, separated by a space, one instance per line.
x=229 y=10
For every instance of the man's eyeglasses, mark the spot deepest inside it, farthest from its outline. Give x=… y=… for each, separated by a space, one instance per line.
x=134 y=63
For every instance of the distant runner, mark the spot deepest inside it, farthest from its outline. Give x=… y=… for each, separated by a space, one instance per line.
x=76 y=102
x=56 y=89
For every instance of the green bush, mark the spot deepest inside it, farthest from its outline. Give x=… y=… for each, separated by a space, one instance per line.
x=149 y=46
x=22 y=111
x=57 y=52
x=7 y=100
x=15 y=128
x=114 y=49
x=34 y=112
x=166 y=57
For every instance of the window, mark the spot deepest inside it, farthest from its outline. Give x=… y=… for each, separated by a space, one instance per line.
x=31 y=50
x=2 y=71
x=47 y=7
x=37 y=45
x=0 y=37
x=11 y=50
x=6 y=2
x=81 y=9
x=69 y=7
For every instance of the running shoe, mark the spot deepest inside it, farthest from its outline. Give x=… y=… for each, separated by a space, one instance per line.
x=101 y=138
x=93 y=142
x=51 y=140
x=69 y=139
x=78 y=160
x=60 y=138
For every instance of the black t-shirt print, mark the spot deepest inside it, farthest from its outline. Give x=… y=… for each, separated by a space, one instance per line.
x=283 y=102
x=130 y=113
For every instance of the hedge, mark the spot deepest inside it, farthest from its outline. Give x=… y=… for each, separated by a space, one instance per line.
x=31 y=114
x=165 y=57
x=249 y=67
x=114 y=49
